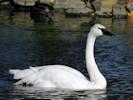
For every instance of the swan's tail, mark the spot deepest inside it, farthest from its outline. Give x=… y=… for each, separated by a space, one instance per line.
x=14 y=71
x=24 y=76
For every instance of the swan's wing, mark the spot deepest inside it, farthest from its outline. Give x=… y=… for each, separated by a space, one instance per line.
x=64 y=77
x=51 y=76
x=20 y=74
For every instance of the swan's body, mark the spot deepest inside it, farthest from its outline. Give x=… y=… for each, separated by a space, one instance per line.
x=60 y=76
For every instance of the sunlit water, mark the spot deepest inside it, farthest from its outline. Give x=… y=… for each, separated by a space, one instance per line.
x=26 y=42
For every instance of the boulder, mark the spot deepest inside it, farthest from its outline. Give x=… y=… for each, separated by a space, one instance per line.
x=129 y=6
x=106 y=8
x=24 y=2
x=27 y=5
x=32 y=2
x=119 y=11
x=78 y=12
x=73 y=7
x=66 y=4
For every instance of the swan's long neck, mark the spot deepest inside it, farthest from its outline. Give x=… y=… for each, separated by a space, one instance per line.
x=96 y=77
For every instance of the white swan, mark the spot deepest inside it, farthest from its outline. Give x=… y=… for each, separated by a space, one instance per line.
x=64 y=77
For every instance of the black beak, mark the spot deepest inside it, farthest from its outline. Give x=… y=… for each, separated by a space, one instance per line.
x=106 y=32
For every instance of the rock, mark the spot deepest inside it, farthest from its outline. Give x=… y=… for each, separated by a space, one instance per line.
x=26 y=5
x=111 y=9
x=105 y=8
x=32 y=2
x=73 y=7
x=119 y=11
x=68 y=4
x=104 y=14
x=97 y=5
x=129 y=6
x=77 y=12
x=107 y=3
x=24 y=2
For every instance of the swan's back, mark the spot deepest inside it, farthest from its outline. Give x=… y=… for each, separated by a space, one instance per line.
x=53 y=76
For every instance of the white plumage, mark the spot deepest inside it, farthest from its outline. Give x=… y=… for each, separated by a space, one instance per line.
x=64 y=77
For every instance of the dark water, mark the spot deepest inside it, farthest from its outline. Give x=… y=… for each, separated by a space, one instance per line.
x=26 y=42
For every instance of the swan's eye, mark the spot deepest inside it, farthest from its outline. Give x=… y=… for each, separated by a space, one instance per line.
x=102 y=29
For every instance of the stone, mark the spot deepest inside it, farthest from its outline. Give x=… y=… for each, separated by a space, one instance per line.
x=104 y=7
x=66 y=4
x=119 y=11
x=78 y=12
x=32 y=2
x=25 y=2
x=130 y=6
x=72 y=7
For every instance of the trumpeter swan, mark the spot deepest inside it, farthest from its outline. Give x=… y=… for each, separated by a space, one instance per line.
x=64 y=77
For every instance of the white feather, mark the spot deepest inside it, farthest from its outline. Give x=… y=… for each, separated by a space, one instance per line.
x=14 y=71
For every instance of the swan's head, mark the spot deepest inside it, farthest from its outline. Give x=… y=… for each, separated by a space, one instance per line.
x=99 y=30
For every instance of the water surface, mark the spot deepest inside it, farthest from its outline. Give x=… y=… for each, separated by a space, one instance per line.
x=27 y=42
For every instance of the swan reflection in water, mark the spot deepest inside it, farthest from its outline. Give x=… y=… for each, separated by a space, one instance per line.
x=59 y=94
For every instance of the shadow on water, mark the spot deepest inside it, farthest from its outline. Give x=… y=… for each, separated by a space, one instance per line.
x=25 y=42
